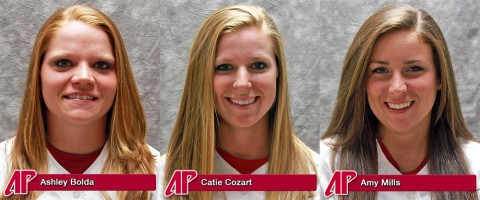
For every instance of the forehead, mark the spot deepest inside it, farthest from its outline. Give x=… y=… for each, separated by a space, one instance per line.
x=244 y=40
x=401 y=44
x=79 y=40
x=78 y=30
x=400 y=36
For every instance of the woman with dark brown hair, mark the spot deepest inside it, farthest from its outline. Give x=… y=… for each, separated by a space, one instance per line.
x=397 y=109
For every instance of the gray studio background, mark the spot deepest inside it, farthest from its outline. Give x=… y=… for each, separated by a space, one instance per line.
x=158 y=35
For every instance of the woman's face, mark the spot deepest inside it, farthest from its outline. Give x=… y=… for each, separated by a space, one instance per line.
x=245 y=77
x=401 y=82
x=78 y=74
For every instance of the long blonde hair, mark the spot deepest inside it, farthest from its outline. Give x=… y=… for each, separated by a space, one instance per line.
x=193 y=140
x=355 y=127
x=128 y=152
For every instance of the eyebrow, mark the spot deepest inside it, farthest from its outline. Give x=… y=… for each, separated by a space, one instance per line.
x=61 y=53
x=383 y=62
x=413 y=61
x=254 y=58
x=379 y=62
x=223 y=60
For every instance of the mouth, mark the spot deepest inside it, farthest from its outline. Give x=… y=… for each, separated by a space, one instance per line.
x=243 y=102
x=400 y=106
x=80 y=97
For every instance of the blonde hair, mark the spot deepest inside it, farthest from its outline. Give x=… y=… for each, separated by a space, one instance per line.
x=126 y=129
x=355 y=127
x=193 y=140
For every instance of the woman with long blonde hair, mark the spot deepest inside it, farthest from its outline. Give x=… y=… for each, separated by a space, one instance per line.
x=234 y=116
x=397 y=109
x=81 y=110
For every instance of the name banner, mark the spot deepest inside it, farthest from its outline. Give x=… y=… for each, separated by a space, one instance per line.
x=413 y=183
x=254 y=182
x=343 y=181
x=97 y=182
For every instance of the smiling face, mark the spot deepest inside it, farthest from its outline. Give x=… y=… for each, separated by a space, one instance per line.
x=78 y=74
x=401 y=82
x=245 y=77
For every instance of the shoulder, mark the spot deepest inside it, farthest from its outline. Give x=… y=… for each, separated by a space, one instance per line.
x=159 y=172
x=159 y=159
x=471 y=149
x=325 y=160
x=326 y=147
x=154 y=152
x=315 y=157
x=6 y=147
x=5 y=150
x=315 y=161
x=325 y=156
x=469 y=145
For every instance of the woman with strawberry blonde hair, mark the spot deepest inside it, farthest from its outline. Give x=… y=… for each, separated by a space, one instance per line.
x=81 y=110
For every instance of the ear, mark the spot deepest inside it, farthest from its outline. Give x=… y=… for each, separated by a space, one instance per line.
x=439 y=86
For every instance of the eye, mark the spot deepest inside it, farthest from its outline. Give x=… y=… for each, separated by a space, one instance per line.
x=380 y=70
x=223 y=67
x=63 y=63
x=102 y=65
x=415 y=68
x=259 y=65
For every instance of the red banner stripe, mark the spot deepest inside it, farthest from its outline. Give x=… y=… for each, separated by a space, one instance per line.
x=413 y=183
x=93 y=182
x=254 y=182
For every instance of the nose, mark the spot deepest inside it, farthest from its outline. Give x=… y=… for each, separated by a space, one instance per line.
x=83 y=74
x=397 y=85
x=242 y=79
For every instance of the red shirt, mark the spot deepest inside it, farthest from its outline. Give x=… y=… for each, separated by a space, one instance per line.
x=241 y=165
x=395 y=164
x=74 y=163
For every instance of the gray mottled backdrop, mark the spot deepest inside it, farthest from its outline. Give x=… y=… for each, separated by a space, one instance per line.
x=158 y=36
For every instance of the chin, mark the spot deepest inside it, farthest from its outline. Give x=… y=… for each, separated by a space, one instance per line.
x=243 y=123
x=401 y=129
x=82 y=118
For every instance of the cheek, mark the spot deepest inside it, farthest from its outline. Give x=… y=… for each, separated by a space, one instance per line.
x=426 y=85
x=268 y=86
x=375 y=89
x=426 y=90
x=372 y=90
x=43 y=83
x=51 y=83
x=110 y=85
x=220 y=85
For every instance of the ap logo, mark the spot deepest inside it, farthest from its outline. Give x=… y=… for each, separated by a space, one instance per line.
x=339 y=181
x=18 y=183
x=178 y=184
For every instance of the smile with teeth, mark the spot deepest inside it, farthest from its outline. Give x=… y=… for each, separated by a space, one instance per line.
x=80 y=97
x=400 y=106
x=242 y=102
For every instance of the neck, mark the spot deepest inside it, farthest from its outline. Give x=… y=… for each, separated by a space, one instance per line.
x=247 y=143
x=407 y=149
x=76 y=138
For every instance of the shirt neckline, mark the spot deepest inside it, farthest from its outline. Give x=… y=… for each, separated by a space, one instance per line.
x=395 y=164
